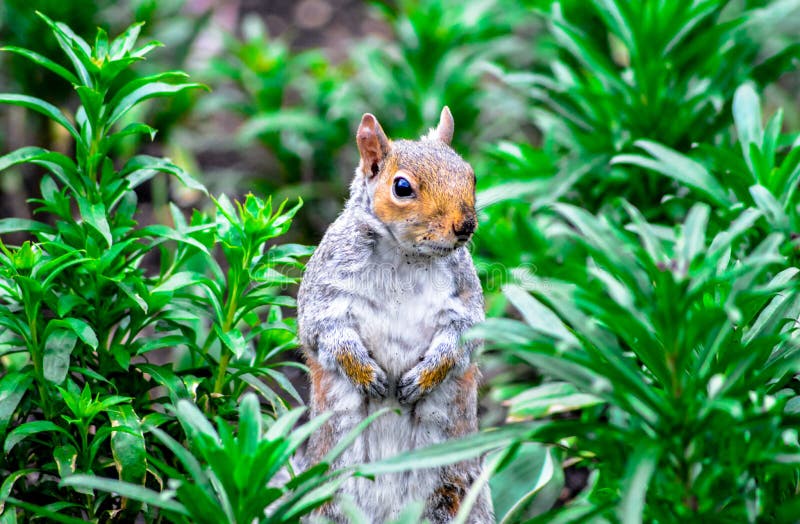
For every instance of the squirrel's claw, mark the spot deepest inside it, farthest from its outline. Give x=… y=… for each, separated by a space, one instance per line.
x=378 y=386
x=364 y=373
x=422 y=378
x=408 y=389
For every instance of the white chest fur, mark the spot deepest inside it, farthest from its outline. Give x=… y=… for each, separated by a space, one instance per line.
x=400 y=302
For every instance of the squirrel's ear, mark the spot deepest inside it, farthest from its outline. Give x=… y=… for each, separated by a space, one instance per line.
x=445 y=128
x=372 y=144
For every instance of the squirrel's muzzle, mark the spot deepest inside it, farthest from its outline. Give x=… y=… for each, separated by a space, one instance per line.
x=463 y=231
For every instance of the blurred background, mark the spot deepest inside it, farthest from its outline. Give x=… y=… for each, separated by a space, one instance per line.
x=289 y=80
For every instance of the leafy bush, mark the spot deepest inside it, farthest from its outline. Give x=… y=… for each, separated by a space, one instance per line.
x=232 y=478
x=764 y=174
x=659 y=352
x=680 y=351
x=289 y=102
x=94 y=297
x=438 y=54
x=624 y=70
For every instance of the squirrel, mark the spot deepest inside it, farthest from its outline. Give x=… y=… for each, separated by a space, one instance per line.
x=382 y=307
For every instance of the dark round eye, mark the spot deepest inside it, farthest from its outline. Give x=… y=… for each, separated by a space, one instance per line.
x=402 y=188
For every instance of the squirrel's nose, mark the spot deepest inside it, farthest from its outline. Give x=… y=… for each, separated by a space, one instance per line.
x=464 y=229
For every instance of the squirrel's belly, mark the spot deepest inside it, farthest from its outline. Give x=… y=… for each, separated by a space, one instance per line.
x=390 y=434
x=396 y=339
x=396 y=351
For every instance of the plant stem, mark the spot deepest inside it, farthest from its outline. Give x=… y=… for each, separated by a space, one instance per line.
x=223 y=367
x=37 y=356
x=225 y=353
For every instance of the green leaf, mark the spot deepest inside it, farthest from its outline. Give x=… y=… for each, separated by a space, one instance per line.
x=17 y=225
x=193 y=420
x=164 y=376
x=144 y=166
x=771 y=317
x=124 y=43
x=167 y=233
x=20 y=433
x=57 y=351
x=314 y=499
x=637 y=479
x=101 y=44
x=61 y=166
x=233 y=340
x=76 y=49
x=135 y=128
x=693 y=239
x=536 y=315
x=678 y=167
x=42 y=61
x=92 y=102
x=66 y=459
x=8 y=485
x=13 y=387
x=84 y=331
x=45 y=108
x=249 y=424
x=448 y=452
x=163 y=500
x=145 y=92
x=518 y=483
x=747 y=117
x=192 y=465
x=52 y=516
x=178 y=281
x=128 y=448
x=548 y=399
x=772 y=209
x=96 y=217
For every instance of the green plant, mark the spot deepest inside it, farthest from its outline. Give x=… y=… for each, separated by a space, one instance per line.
x=765 y=175
x=246 y=474
x=679 y=352
x=624 y=70
x=93 y=295
x=439 y=54
x=290 y=104
x=233 y=474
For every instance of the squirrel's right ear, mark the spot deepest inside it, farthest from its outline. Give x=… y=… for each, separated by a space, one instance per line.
x=372 y=144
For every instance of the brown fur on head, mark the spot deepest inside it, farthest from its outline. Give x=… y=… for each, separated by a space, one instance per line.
x=434 y=212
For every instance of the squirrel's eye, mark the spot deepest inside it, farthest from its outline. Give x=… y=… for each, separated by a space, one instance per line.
x=402 y=188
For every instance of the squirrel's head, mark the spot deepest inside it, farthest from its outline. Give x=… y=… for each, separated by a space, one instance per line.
x=422 y=190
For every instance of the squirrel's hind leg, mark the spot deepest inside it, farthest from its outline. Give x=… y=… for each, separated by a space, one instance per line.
x=456 y=480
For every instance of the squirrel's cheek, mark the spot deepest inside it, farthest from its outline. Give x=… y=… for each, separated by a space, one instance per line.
x=386 y=209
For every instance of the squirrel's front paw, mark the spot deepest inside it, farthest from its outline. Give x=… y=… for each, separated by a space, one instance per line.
x=365 y=374
x=409 y=389
x=421 y=379
x=378 y=386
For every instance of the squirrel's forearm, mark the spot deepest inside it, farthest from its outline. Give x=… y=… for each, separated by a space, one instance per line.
x=340 y=348
x=445 y=355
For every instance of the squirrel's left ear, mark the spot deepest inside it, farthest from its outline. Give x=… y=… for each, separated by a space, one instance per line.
x=446 y=125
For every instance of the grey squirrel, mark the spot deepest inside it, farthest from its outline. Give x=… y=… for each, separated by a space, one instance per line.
x=382 y=307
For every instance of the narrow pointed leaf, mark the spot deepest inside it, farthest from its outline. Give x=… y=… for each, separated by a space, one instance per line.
x=40 y=106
